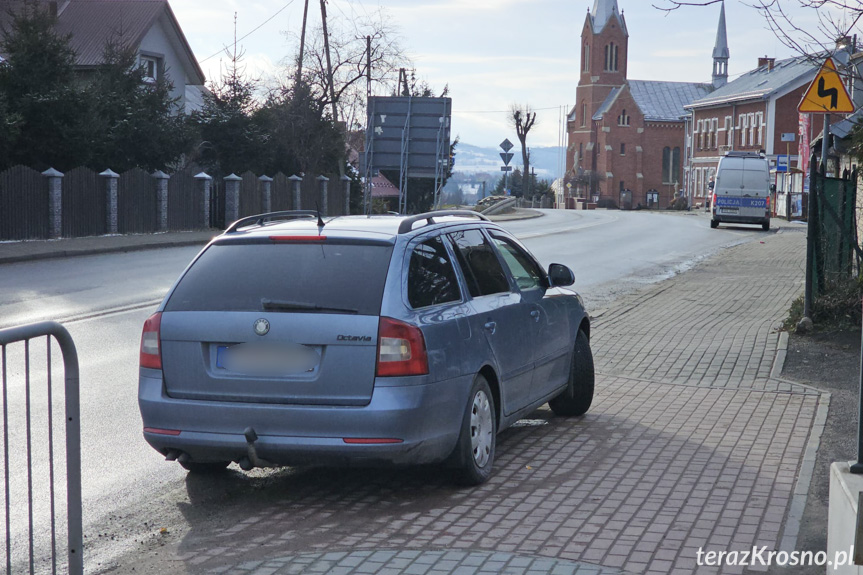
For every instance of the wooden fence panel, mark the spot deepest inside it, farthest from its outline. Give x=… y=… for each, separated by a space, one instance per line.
x=84 y=204
x=282 y=193
x=250 y=195
x=185 y=202
x=136 y=203
x=309 y=196
x=336 y=197
x=217 y=204
x=23 y=204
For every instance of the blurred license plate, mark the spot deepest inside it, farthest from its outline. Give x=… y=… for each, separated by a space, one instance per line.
x=728 y=210
x=267 y=359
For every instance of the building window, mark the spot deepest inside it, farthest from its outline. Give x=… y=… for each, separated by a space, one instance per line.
x=150 y=67
x=715 y=124
x=586 y=64
x=611 y=61
x=670 y=165
x=622 y=186
x=743 y=124
x=623 y=119
x=760 y=121
x=622 y=149
x=583 y=114
x=729 y=130
x=751 y=129
x=580 y=150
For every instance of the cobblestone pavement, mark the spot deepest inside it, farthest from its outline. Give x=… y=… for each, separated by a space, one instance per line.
x=689 y=445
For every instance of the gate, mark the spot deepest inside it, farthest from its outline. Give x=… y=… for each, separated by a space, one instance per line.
x=38 y=453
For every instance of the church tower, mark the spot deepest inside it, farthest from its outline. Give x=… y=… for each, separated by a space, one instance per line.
x=603 y=68
x=721 y=53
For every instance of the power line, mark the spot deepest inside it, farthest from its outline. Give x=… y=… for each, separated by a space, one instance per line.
x=501 y=111
x=261 y=25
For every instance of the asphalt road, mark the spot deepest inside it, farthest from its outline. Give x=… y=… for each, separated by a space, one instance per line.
x=104 y=301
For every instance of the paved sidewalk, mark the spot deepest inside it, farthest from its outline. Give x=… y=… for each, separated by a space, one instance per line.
x=689 y=445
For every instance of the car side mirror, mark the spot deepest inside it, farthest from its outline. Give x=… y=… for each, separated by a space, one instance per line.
x=560 y=276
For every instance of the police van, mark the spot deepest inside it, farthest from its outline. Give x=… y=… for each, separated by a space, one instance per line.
x=741 y=192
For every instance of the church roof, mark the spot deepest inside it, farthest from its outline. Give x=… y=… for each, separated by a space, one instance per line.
x=665 y=101
x=762 y=82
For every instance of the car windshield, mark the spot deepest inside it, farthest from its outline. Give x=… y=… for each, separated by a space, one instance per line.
x=330 y=278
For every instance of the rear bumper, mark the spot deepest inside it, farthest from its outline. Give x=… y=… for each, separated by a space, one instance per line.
x=426 y=418
x=740 y=219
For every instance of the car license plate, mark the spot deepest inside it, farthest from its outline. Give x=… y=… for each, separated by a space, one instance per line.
x=267 y=359
x=728 y=211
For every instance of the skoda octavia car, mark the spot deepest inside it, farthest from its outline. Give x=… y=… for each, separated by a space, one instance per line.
x=360 y=340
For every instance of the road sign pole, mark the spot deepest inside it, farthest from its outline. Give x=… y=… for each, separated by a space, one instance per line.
x=824 y=137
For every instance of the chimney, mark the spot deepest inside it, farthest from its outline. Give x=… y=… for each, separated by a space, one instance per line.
x=765 y=61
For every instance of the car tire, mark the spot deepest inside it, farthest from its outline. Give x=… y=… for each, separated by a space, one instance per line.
x=578 y=395
x=205 y=468
x=766 y=226
x=714 y=224
x=474 y=453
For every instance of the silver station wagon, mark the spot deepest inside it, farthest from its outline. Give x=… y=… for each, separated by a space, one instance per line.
x=291 y=340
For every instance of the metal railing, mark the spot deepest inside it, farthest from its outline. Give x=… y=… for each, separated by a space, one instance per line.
x=28 y=335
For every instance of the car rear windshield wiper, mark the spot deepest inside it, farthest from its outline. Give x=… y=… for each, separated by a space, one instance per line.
x=282 y=305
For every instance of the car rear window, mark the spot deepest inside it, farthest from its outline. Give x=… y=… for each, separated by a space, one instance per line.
x=318 y=278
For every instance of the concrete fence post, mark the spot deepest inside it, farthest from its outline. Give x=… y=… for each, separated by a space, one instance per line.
x=296 y=182
x=161 y=200
x=346 y=182
x=266 y=194
x=111 y=217
x=204 y=181
x=232 y=198
x=55 y=202
x=323 y=188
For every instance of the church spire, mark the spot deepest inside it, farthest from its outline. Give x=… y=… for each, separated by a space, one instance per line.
x=720 y=52
x=603 y=11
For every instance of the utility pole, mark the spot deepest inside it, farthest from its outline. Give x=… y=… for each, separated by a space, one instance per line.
x=302 y=44
x=368 y=67
x=330 y=74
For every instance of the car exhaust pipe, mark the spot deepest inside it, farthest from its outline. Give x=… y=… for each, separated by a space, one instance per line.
x=252 y=459
x=172 y=455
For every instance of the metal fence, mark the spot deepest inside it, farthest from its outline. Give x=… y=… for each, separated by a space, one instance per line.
x=30 y=414
x=836 y=249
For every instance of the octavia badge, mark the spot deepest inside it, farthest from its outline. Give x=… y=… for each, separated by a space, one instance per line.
x=262 y=327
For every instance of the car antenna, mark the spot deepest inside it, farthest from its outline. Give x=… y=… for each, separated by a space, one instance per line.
x=321 y=223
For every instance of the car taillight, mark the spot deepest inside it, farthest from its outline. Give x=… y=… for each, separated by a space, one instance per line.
x=151 y=353
x=768 y=203
x=713 y=200
x=401 y=349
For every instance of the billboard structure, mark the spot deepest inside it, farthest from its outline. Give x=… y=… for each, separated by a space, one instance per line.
x=410 y=135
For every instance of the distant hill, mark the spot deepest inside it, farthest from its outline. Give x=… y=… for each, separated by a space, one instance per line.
x=474 y=159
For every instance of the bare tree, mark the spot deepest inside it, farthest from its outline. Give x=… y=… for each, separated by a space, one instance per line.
x=836 y=20
x=523 y=119
x=347 y=46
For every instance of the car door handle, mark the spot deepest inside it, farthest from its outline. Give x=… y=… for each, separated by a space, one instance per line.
x=491 y=327
x=535 y=315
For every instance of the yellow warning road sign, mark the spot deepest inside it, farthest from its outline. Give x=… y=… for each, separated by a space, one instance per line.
x=827 y=94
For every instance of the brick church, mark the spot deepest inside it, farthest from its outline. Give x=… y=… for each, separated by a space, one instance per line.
x=627 y=137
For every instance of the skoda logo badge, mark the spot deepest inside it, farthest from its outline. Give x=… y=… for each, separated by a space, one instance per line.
x=262 y=327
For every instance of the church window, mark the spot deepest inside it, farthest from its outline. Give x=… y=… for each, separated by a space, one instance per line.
x=623 y=119
x=611 y=57
x=583 y=114
x=586 y=64
x=622 y=149
x=670 y=165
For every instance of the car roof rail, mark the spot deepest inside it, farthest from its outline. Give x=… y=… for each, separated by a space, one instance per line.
x=261 y=218
x=407 y=224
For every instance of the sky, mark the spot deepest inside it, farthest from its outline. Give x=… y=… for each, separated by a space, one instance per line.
x=494 y=53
